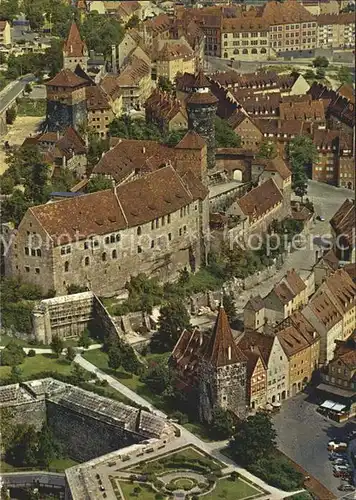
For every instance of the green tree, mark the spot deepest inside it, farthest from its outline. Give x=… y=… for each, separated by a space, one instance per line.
x=28 y=88
x=23 y=448
x=7 y=184
x=64 y=181
x=129 y=360
x=98 y=183
x=13 y=209
x=229 y=306
x=79 y=374
x=320 y=62
x=133 y=22
x=9 y=9
x=309 y=74
x=70 y=354
x=11 y=114
x=57 y=345
x=47 y=448
x=173 y=319
x=221 y=426
x=129 y=128
x=97 y=147
x=54 y=57
x=37 y=187
x=84 y=339
x=34 y=10
x=301 y=153
x=255 y=438
x=320 y=74
x=344 y=75
x=225 y=137
x=267 y=150
x=165 y=84
x=158 y=377
x=174 y=137
x=12 y=354
x=16 y=374
x=101 y=32
x=114 y=358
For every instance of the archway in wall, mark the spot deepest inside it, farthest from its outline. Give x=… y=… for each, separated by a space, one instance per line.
x=237 y=176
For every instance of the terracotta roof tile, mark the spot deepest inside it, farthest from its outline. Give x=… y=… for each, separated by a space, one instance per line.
x=311 y=110
x=222 y=350
x=278 y=165
x=325 y=310
x=342 y=289
x=342 y=18
x=163 y=106
x=133 y=72
x=260 y=340
x=260 y=199
x=283 y=292
x=74 y=46
x=66 y=78
x=96 y=99
x=295 y=282
x=343 y=221
x=191 y=140
x=160 y=193
x=255 y=303
x=285 y=13
x=173 y=50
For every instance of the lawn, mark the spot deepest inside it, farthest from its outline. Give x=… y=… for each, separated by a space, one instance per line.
x=146 y=492
x=37 y=364
x=57 y=465
x=232 y=490
x=5 y=339
x=31 y=107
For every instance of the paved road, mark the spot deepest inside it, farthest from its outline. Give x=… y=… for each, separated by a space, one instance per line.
x=13 y=90
x=48 y=350
x=187 y=437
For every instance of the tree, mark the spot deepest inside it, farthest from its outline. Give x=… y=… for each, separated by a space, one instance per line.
x=221 y=426
x=101 y=32
x=37 y=186
x=7 y=184
x=129 y=128
x=47 y=448
x=173 y=319
x=267 y=150
x=229 y=306
x=165 y=84
x=114 y=357
x=225 y=137
x=99 y=183
x=299 y=182
x=301 y=154
x=28 y=88
x=22 y=450
x=158 y=377
x=9 y=9
x=133 y=22
x=255 y=438
x=129 y=360
x=309 y=74
x=13 y=354
x=34 y=10
x=320 y=62
x=31 y=353
x=320 y=74
x=70 y=355
x=54 y=57
x=11 y=114
x=84 y=339
x=344 y=75
x=79 y=374
x=174 y=137
x=13 y=209
x=57 y=345
x=16 y=374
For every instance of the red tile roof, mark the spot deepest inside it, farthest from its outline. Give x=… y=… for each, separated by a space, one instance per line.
x=307 y=110
x=66 y=78
x=290 y=11
x=260 y=199
x=74 y=46
x=278 y=165
x=343 y=221
x=191 y=140
x=96 y=99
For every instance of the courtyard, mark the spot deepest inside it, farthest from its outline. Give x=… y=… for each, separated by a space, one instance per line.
x=303 y=435
x=185 y=473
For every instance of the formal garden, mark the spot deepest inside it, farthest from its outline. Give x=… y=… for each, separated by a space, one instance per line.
x=187 y=473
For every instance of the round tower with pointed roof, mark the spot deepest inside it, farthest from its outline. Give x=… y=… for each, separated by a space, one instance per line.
x=201 y=107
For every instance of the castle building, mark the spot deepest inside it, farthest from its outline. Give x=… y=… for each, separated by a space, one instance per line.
x=215 y=365
x=75 y=50
x=202 y=107
x=66 y=101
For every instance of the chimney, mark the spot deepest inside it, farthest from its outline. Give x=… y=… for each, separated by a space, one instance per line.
x=229 y=353
x=57 y=135
x=143 y=150
x=113 y=60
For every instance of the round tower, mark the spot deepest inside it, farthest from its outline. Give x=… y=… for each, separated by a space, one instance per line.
x=201 y=107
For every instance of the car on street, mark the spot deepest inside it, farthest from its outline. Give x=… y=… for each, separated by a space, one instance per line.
x=337 y=446
x=346 y=487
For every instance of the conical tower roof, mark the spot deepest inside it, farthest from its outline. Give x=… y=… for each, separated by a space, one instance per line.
x=201 y=81
x=222 y=349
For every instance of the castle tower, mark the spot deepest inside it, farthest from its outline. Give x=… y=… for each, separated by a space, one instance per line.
x=223 y=373
x=74 y=50
x=66 y=101
x=201 y=107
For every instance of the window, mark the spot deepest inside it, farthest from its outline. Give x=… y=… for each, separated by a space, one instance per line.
x=103 y=256
x=180 y=231
x=118 y=237
x=168 y=218
x=68 y=250
x=37 y=270
x=139 y=249
x=107 y=239
x=96 y=243
x=86 y=261
x=153 y=224
x=112 y=238
x=236 y=51
x=33 y=252
x=169 y=236
x=66 y=266
x=27 y=269
x=245 y=51
x=39 y=253
x=114 y=254
x=27 y=251
x=152 y=243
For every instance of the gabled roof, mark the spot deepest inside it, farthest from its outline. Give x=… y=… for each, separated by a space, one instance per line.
x=343 y=221
x=260 y=199
x=74 y=45
x=66 y=78
x=292 y=341
x=295 y=282
x=260 y=340
x=278 y=165
x=96 y=99
x=222 y=350
x=191 y=140
x=255 y=303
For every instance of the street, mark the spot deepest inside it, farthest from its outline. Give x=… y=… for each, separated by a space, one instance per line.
x=13 y=90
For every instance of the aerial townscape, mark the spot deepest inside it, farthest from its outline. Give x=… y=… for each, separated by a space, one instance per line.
x=178 y=250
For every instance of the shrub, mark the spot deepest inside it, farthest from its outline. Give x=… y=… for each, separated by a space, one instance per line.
x=234 y=476
x=31 y=353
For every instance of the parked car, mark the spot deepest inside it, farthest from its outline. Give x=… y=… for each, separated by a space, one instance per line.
x=337 y=446
x=346 y=487
x=340 y=461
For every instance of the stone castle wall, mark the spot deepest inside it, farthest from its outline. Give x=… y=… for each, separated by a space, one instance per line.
x=33 y=413
x=201 y=118
x=62 y=115
x=85 y=437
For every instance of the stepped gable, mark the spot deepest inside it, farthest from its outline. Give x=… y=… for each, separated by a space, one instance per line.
x=222 y=350
x=74 y=46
